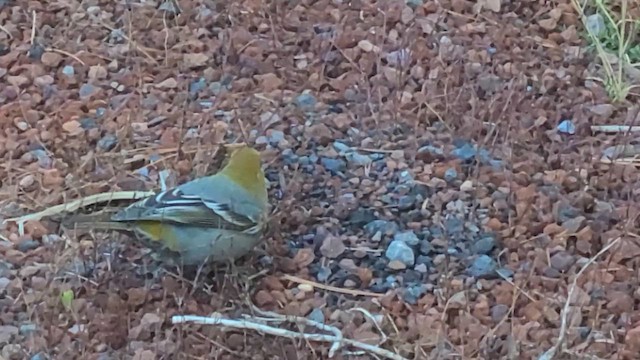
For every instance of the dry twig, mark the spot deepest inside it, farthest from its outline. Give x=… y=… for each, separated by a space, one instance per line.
x=260 y=324
x=353 y=292
x=549 y=354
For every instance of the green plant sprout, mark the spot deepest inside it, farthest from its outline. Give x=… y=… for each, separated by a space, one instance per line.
x=614 y=45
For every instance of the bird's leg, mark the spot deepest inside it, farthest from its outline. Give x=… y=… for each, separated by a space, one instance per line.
x=199 y=271
x=232 y=273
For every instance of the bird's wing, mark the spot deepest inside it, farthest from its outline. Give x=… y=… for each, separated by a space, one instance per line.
x=174 y=206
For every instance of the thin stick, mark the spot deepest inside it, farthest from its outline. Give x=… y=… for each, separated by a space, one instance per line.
x=134 y=43
x=33 y=26
x=330 y=288
x=549 y=354
x=613 y=129
x=275 y=317
x=375 y=321
x=4 y=29
x=257 y=326
x=67 y=54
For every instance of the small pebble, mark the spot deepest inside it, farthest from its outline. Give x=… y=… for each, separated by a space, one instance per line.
x=425 y=247
x=427 y=260
x=169 y=7
x=409 y=237
x=450 y=174
x=4 y=282
x=107 y=142
x=216 y=88
x=7 y=332
x=562 y=261
x=466 y=186
x=400 y=57
x=333 y=165
x=349 y=284
x=38 y=356
x=305 y=101
x=396 y=265
x=465 y=152
x=27 y=181
x=275 y=136
x=430 y=152
x=341 y=148
x=382 y=226
x=406 y=202
x=413 y=293
x=4 y=49
x=498 y=312
x=76 y=329
x=421 y=268
x=26 y=329
x=88 y=123
x=197 y=86
x=323 y=274
x=68 y=70
x=86 y=90
x=28 y=245
x=505 y=273
x=36 y=51
x=399 y=250
x=483 y=267
x=567 y=127
x=414 y=3
x=348 y=264
x=316 y=315
x=357 y=159
x=595 y=23
x=261 y=140
x=484 y=245
x=405 y=177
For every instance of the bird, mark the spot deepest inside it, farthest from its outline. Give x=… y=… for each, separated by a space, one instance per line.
x=215 y=218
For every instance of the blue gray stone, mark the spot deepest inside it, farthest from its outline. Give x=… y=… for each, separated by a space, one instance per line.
x=409 y=237
x=341 y=147
x=383 y=226
x=316 y=315
x=450 y=174
x=333 y=165
x=484 y=245
x=399 y=250
x=86 y=90
x=358 y=159
x=68 y=70
x=108 y=142
x=483 y=267
x=305 y=101
x=412 y=293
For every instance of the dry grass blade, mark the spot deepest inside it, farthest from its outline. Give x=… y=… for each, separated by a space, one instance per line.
x=551 y=353
x=259 y=324
x=329 y=287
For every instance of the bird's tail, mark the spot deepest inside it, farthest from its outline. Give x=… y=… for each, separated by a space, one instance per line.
x=97 y=221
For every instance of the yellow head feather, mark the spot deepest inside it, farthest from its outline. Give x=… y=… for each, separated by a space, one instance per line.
x=245 y=169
